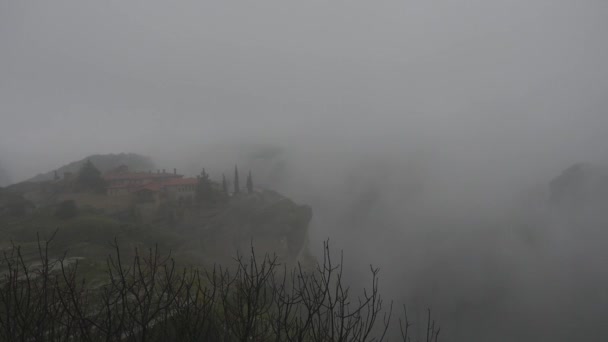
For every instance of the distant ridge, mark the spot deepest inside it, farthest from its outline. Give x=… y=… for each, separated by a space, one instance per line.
x=104 y=162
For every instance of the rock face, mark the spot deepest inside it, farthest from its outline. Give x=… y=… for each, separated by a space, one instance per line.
x=581 y=186
x=269 y=222
x=579 y=202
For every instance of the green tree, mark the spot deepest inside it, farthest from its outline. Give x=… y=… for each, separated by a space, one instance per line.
x=249 y=183
x=89 y=178
x=237 y=188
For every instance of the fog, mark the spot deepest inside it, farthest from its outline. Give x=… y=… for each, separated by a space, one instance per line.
x=424 y=134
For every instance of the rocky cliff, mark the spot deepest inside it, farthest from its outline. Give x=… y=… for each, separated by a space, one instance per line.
x=266 y=220
x=581 y=185
x=205 y=232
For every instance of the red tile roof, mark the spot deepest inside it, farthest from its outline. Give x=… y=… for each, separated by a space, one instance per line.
x=119 y=186
x=150 y=187
x=154 y=184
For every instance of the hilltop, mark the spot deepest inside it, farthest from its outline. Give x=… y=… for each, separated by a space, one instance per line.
x=195 y=218
x=103 y=162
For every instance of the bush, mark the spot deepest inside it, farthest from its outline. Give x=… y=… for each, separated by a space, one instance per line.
x=150 y=299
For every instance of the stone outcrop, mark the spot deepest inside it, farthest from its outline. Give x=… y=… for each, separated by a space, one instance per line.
x=581 y=185
x=270 y=222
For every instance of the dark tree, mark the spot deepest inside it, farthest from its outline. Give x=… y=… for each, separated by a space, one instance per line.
x=204 y=191
x=249 y=183
x=89 y=178
x=237 y=188
x=224 y=184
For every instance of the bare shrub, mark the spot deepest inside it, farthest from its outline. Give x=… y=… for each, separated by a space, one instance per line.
x=149 y=298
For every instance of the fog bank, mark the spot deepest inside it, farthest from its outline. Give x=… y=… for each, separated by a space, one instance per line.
x=423 y=134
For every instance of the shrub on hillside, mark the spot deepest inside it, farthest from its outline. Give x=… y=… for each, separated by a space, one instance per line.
x=151 y=299
x=15 y=205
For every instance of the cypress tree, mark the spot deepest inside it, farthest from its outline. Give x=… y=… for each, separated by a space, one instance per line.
x=249 y=183
x=89 y=178
x=236 y=180
x=204 y=191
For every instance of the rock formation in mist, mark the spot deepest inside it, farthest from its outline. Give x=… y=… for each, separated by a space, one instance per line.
x=581 y=186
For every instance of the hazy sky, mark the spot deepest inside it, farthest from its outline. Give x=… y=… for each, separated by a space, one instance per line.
x=507 y=83
x=462 y=99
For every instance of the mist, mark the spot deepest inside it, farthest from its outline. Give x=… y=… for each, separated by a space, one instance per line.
x=424 y=135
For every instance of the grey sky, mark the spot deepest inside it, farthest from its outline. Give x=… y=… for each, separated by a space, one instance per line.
x=509 y=83
x=408 y=126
